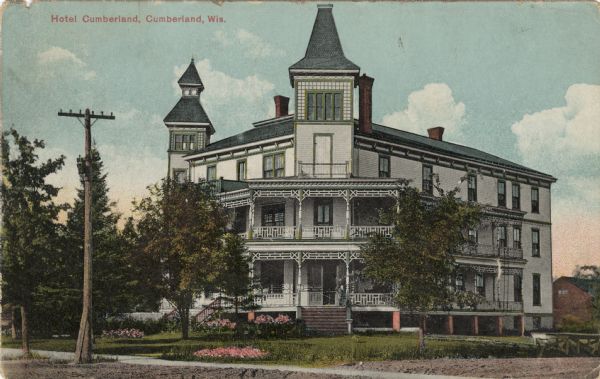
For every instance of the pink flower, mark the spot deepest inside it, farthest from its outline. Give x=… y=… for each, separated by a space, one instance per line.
x=231 y=352
x=266 y=319
x=123 y=333
x=221 y=324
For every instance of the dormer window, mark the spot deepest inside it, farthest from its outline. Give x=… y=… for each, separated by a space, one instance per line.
x=324 y=106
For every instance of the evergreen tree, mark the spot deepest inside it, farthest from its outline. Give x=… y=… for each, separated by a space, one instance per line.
x=29 y=223
x=112 y=290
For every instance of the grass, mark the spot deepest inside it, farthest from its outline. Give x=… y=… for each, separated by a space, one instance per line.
x=313 y=351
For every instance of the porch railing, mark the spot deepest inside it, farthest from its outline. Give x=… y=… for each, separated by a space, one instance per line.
x=317 y=232
x=323 y=170
x=371 y=299
x=483 y=250
x=274 y=232
x=491 y=305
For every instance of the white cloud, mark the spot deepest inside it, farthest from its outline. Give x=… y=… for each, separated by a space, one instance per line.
x=57 y=59
x=547 y=137
x=431 y=106
x=231 y=103
x=252 y=45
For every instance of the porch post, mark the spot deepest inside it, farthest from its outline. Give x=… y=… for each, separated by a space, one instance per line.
x=251 y=216
x=348 y=199
x=450 y=325
x=499 y=325
x=521 y=325
x=475 y=325
x=300 y=200
x=396 y=321
x=299 y=289
x=347 y=276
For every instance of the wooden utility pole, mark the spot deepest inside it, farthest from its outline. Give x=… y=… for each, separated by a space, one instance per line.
x=83 y=350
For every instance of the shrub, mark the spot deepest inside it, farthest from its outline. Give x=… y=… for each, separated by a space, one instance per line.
x=147 y=326
x=123 y=333
x=572 y=324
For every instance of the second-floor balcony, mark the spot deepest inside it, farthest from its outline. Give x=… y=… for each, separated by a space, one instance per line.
x=483 y=250
x=324 y=170
x=317 y=232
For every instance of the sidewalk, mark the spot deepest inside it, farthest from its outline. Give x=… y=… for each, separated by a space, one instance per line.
x=283 y=369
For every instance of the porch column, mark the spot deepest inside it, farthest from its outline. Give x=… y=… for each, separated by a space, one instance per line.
x=450 y=325
x=521 y=319
x=300 y=200
x=475 y=325
x=347 y=277
x=396 y=321
x=299 y=289
x=499 y=325
x=251 y=216
x=348 y=199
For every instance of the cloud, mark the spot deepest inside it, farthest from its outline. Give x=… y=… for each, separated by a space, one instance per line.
x=252 y=45
x=431 y=106
x=231 y=103
x=57 y=60
x=564 y=142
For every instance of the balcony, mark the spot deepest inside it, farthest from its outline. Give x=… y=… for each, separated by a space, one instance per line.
x=316 y=232
x=323 y=170
x=482 y=250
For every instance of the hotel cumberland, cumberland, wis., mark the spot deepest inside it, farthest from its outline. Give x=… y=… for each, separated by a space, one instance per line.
x=305 y=188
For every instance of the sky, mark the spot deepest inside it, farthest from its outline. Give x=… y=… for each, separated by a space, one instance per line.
x=518 y=80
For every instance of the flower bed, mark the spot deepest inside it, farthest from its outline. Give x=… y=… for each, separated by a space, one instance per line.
x=220 y=324
x=231 y=352
x=123 y=333
x=280 y=320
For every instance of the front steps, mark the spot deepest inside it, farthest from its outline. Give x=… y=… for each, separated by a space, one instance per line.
x=325 y=320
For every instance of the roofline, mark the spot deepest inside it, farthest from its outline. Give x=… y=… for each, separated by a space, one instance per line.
x=464 y=159
x=193 y=156
x=170 y=124
x=323 y=70
x=264 y=122
x=191 y=84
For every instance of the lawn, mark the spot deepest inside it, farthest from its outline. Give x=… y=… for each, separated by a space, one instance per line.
x=310 y=351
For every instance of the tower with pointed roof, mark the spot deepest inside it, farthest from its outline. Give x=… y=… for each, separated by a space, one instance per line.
x=324 y=82
x=189 y=126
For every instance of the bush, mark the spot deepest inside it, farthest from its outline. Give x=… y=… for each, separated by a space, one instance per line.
x=146 y=326
x=123 y=333
x=572 y=324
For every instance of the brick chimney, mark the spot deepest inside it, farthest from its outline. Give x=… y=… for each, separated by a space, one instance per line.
x=436 y=133
x=365 y=101
x=281 y=105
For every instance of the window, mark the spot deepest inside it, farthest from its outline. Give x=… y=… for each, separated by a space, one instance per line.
x=273 y=215
x=562 y=292
x=460 y=282
x=323 y=212
x=180 y=175
x=472 y=187
x=479 y=284
x=516 y=196
x=473 y=236
x=324 y=106
x=211 y=172
x=241 y=170
x=428 y=179
x=271 y=276
x=537 y=301
x=502 y=236
x=518 y=295
x=535 y=200
x=501 y=193
x=535 y=243
x=184 y=142
x=516 y=237
x=384 y=166
x=274 y=166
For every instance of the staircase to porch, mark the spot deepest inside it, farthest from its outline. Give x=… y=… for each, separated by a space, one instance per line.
x=328 y=320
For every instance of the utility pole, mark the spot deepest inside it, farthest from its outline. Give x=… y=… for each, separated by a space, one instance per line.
x=83 y=350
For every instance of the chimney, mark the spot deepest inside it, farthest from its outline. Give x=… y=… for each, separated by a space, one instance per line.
x=281 y=105
x=436 y=133
x=365 y=97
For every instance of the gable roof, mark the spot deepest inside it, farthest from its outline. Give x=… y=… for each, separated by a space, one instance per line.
x=191 y=76
x=385 y=133
x=188 y=109
x=277 y=127
x=587 y=285
x=324 y=51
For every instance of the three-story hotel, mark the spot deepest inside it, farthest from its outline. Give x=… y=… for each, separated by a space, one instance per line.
x=305 y=188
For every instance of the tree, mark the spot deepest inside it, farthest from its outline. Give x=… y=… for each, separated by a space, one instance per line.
x=234 y=279
x=180 y=228
x=112 y=290
x=591 y=273
x=418 y=258
x=29 y=223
